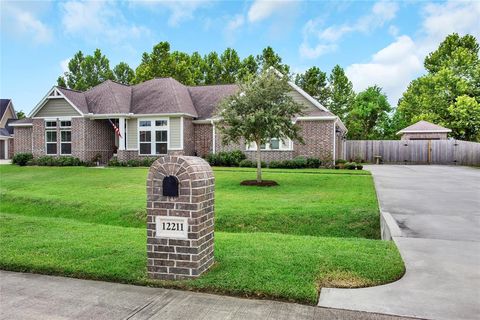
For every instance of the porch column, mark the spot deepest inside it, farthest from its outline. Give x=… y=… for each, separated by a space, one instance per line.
x=121 y=139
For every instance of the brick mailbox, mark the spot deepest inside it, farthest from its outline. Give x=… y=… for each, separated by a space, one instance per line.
x=180 y=217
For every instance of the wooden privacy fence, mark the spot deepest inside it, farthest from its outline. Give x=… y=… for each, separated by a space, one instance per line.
x=449 y=152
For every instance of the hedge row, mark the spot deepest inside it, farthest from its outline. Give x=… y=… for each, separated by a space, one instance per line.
x=26 y=159
x=147 y=162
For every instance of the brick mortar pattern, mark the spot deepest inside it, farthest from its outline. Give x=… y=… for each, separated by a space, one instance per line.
x=172 y=259
x=22 y=141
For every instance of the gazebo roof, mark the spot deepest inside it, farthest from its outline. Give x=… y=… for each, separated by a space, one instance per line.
x=424 y=127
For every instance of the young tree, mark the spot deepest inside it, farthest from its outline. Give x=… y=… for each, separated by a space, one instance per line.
x=123 y=73
x=314 y=82
x=341 y=94
x=368 y=115
x=451 y=85
x=261 y=110
x=85 y=72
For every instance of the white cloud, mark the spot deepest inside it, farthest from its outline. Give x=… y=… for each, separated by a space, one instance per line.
x=232 y=26
x=326 y=38
x=19 y=20
x=263 y=9
x=180 y=10
x=394 y=66
x=64 y=65
x=98 y=21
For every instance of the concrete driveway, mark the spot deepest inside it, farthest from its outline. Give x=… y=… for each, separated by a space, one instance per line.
x=438 y=211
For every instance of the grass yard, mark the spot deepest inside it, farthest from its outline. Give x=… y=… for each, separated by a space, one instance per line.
x=318 y=228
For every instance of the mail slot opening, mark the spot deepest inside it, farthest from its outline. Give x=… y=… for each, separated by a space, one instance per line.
x=170 y=186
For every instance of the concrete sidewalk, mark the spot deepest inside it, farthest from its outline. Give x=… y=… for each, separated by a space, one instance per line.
x=31 y=296
x=438 y=211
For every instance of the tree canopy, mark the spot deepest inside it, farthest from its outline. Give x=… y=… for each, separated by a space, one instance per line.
x=261 y=110
x=368 y=115
x=449 y=93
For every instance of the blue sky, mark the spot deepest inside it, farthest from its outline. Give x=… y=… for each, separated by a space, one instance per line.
x=377 y=42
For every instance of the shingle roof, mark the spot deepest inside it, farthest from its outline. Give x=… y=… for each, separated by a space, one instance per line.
x=206 y=98
x=76 y=97
x=424 y=126
x=156 y=96
x=3 y=106
x=4 y=132
x=22 y=121
x=162 y=95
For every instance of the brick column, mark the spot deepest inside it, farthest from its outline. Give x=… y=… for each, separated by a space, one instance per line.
x=180 y=229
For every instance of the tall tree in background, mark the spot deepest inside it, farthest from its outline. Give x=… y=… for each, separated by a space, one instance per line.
x=197 y=68
x=230 y=62
x=369 y=112
x=269 y=58
x=213 y=68
x=449 y=94
x=123 y=73
x=156 y=64
x=85 y=72
x=261 y=110
x=248 y=69
x=341 y=94
x=179 y=68
x=314 y=82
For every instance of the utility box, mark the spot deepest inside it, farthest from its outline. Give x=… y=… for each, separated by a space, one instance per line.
x=180 y=217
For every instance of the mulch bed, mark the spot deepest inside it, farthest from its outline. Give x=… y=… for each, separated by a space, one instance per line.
x=264 y=183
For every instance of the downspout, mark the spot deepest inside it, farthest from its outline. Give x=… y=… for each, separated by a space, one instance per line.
x=334 y=139
x=213 y=137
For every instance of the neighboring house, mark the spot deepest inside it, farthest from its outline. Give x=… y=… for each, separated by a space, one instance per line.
x=158 y=117
x=7 y=115
x=424 y=130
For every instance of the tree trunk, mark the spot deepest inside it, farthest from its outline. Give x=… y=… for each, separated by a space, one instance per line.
x=259 y=163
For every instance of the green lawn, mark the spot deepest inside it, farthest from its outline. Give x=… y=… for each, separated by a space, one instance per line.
x=316 y=229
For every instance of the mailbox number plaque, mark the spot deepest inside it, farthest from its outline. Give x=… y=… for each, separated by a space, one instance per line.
x=171 y=227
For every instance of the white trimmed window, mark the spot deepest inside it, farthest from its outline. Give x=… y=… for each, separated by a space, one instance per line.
x=65 y=137
x=273 y=144
x=153 y=136
x=52 y=138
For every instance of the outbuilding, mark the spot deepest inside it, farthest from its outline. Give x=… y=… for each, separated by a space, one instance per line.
x=424 y=130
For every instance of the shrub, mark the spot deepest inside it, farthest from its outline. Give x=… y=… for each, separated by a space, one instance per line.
x=22 y=159
x=337 y=166
x=226 y=159
x=313 y=163
x=340 y=161
x=299 y=163
x=246 y=163
x=251 y=164
x=134 y=163
x=114 y=163
x=68 y=162
x=350 y=165
x=147 y=162
x=63 y=161
x=359 y=167
x=275 y=164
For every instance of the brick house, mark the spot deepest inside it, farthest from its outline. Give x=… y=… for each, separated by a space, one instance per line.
x=7 y=115
x=159 y=117
x=424 y=130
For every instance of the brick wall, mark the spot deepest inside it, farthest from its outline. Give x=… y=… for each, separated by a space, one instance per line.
x=11 y=148
x=99 y=139
x=125 y=155
x=175 y=259
x=203 y=139
x=188 y=137
x=22 y=141
x=38 y=138
x=317 y=135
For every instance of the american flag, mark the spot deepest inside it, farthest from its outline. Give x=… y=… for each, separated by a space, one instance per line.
x=117 y=130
